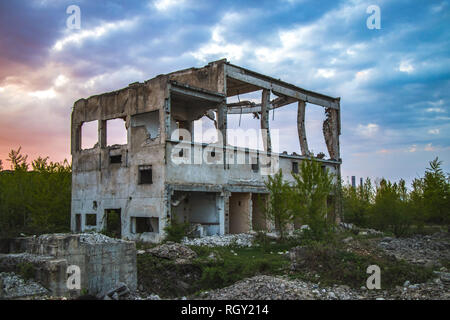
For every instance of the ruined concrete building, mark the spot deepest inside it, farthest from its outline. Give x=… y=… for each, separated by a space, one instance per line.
x=133 y=189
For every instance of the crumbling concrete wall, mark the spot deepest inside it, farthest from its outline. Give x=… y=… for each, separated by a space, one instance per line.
x=103 y=262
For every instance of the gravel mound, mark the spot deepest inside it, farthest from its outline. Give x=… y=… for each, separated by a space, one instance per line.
x=87 y=237
x=173 y=251
x=422 y=250
x=279 y=288
x=93 y=238
x=241 y=240
x=13 y=287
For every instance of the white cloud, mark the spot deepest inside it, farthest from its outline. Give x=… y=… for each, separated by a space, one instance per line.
x=163 y=5
x=433 y=131
x=218 y=46
x=440 y=102
x=363 y=74
x=413 y=148
x=368 y=130
x=97 y=32
x=438 y=110
x=325 y=73
x=439 y=7
x=43 y=94
x=61 y=80
x=405 y=66
x=429 y=147
x=114 y=80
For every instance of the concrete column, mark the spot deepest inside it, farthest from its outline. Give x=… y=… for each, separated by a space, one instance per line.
x=331 y=132
x=167 y=118
x=102 y=131
x=301 y=127
x=76 y=137
x=226 y=211
x=222 y=127
x=220 y=205
x=265 y=103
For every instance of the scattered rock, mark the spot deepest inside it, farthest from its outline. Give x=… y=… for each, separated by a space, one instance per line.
x=15 y=287
x=422 y=250
x=347 y=240
x=120 y=292
x=240 y=240
x=173 y=251
x=298 y=257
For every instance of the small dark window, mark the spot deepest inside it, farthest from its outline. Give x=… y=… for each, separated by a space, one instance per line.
x=115 y=159
x=77 y=222
x=255 y=165
x=213 y=154
x=295 y=167
x=145 y=175
x=91 y=219
x=180 y=154
x=144 y=224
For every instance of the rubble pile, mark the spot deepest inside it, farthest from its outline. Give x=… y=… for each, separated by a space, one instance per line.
x=280 y=288
x=93 y=238
x=173 y=251
x=359 y=231
x=423 y=250
x=120 y=292
x=240 y=240
x=13 y=286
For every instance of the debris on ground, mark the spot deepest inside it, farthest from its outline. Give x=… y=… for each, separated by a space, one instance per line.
x=173 y=251
x=428 y=250
x=12 y=286
x=240 y=240
x=281 y=288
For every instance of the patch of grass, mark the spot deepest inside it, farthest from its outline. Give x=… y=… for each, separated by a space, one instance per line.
x=335 y=265
x=166 y=278
x=26 y=270
x=215 y=267
x=140 y=245
x=238 y=263
x=445 y=263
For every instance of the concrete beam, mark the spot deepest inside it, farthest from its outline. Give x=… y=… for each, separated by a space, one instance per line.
x=279 y=87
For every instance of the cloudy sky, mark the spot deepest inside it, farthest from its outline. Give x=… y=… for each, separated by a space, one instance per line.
x=394 y=82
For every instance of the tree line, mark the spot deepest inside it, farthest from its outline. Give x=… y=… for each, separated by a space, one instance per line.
x=385 y=205
x=391 y=206
x=35 y=198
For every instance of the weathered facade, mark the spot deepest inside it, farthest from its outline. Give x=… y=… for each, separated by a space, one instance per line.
x=162 y=173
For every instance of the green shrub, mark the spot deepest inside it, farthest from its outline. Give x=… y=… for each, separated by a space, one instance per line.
x=278 y=209
x=308 y=198
x=26 y=270
x=357 y=202
x=390 y=211
x=176 y=231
